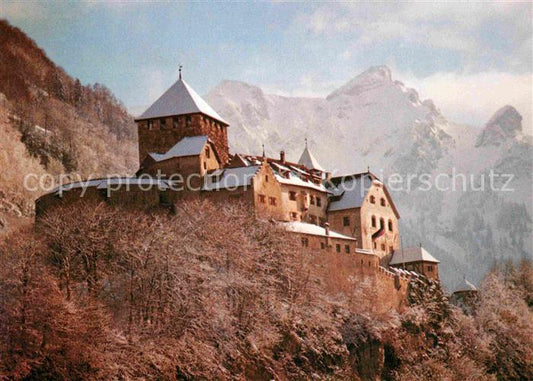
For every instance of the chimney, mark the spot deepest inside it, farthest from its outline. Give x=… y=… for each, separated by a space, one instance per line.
x=282 y=156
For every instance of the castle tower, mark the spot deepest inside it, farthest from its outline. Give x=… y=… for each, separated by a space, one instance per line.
x=178 y=113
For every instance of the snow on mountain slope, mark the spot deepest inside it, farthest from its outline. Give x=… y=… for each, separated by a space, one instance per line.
x=374 y=120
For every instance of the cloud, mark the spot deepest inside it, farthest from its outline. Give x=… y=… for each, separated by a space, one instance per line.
x=478 y=31
x=473 y=98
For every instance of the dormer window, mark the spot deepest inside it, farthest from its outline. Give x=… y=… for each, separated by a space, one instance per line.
x=162 y=123
x=382 y=202
x=372 y=200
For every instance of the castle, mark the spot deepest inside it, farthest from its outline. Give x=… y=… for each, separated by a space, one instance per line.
x=184 y=152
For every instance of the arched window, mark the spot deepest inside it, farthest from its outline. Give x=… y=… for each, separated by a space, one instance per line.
x=372 y=200
x=373 y=221
x=382 y=202
x=382 y=223
x=390 y=225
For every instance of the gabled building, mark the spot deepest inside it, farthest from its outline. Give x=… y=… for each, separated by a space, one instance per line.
x=361 y=206
x=416 y=259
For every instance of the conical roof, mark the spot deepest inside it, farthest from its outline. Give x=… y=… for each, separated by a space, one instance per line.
x=309 y=161
x=179 y=99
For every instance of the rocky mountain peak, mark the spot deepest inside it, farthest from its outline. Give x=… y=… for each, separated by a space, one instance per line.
x=372 y=78
x=505 y=123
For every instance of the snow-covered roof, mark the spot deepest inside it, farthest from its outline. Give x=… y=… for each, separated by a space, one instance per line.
x=350 y=192
x=412 y=254
x=179 y=99
x=230 y=178
x=187 y=146
x=288 y=173
x=311 y=229
x=465 y=285
x=309 y=161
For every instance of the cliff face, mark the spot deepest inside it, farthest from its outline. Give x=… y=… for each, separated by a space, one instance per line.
x=52 y=124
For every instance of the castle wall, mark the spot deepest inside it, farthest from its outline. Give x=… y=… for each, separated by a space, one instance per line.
x=160 y=140
x=368 y=287
x=191 y=168
x=304 y=210
x=428 y=269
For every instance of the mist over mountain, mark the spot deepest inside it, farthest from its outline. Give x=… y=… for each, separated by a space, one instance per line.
x=376 y=121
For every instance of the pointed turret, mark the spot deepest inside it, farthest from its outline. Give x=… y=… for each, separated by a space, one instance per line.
x=308 y=160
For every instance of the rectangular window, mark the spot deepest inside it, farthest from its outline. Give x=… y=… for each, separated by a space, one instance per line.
x=266 y=179
x=305 y=242
x=294 y=216
x=292 y=196
x=150 y=124
x=207 y=152
x=272 y=201
x=318 y=201
x=188 y=120
x=383 y=247
x=312 y=200
x=162 y=123
x=338 y=248
x=175 y=122
x=430 y=269
x=391 y=249
x=347 y=249
x=322 y=245
x=346 y=221
x=262 y=198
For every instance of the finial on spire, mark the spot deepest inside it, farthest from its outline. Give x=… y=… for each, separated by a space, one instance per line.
x=180 y=67
x=305 y=142
x=262 y=145
x=368 y=168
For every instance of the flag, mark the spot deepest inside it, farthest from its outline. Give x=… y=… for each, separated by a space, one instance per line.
x=378 y=233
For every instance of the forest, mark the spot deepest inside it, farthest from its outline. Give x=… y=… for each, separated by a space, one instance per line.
x=210 y=292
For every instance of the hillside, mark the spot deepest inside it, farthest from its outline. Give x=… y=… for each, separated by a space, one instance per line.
x=52 y=124
x=211 y=292
x=376 y=121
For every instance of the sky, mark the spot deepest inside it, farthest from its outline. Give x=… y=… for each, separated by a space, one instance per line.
x=471 y=58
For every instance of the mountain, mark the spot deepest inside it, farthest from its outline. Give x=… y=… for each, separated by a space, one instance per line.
x=375 y=121
x=53 y=125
